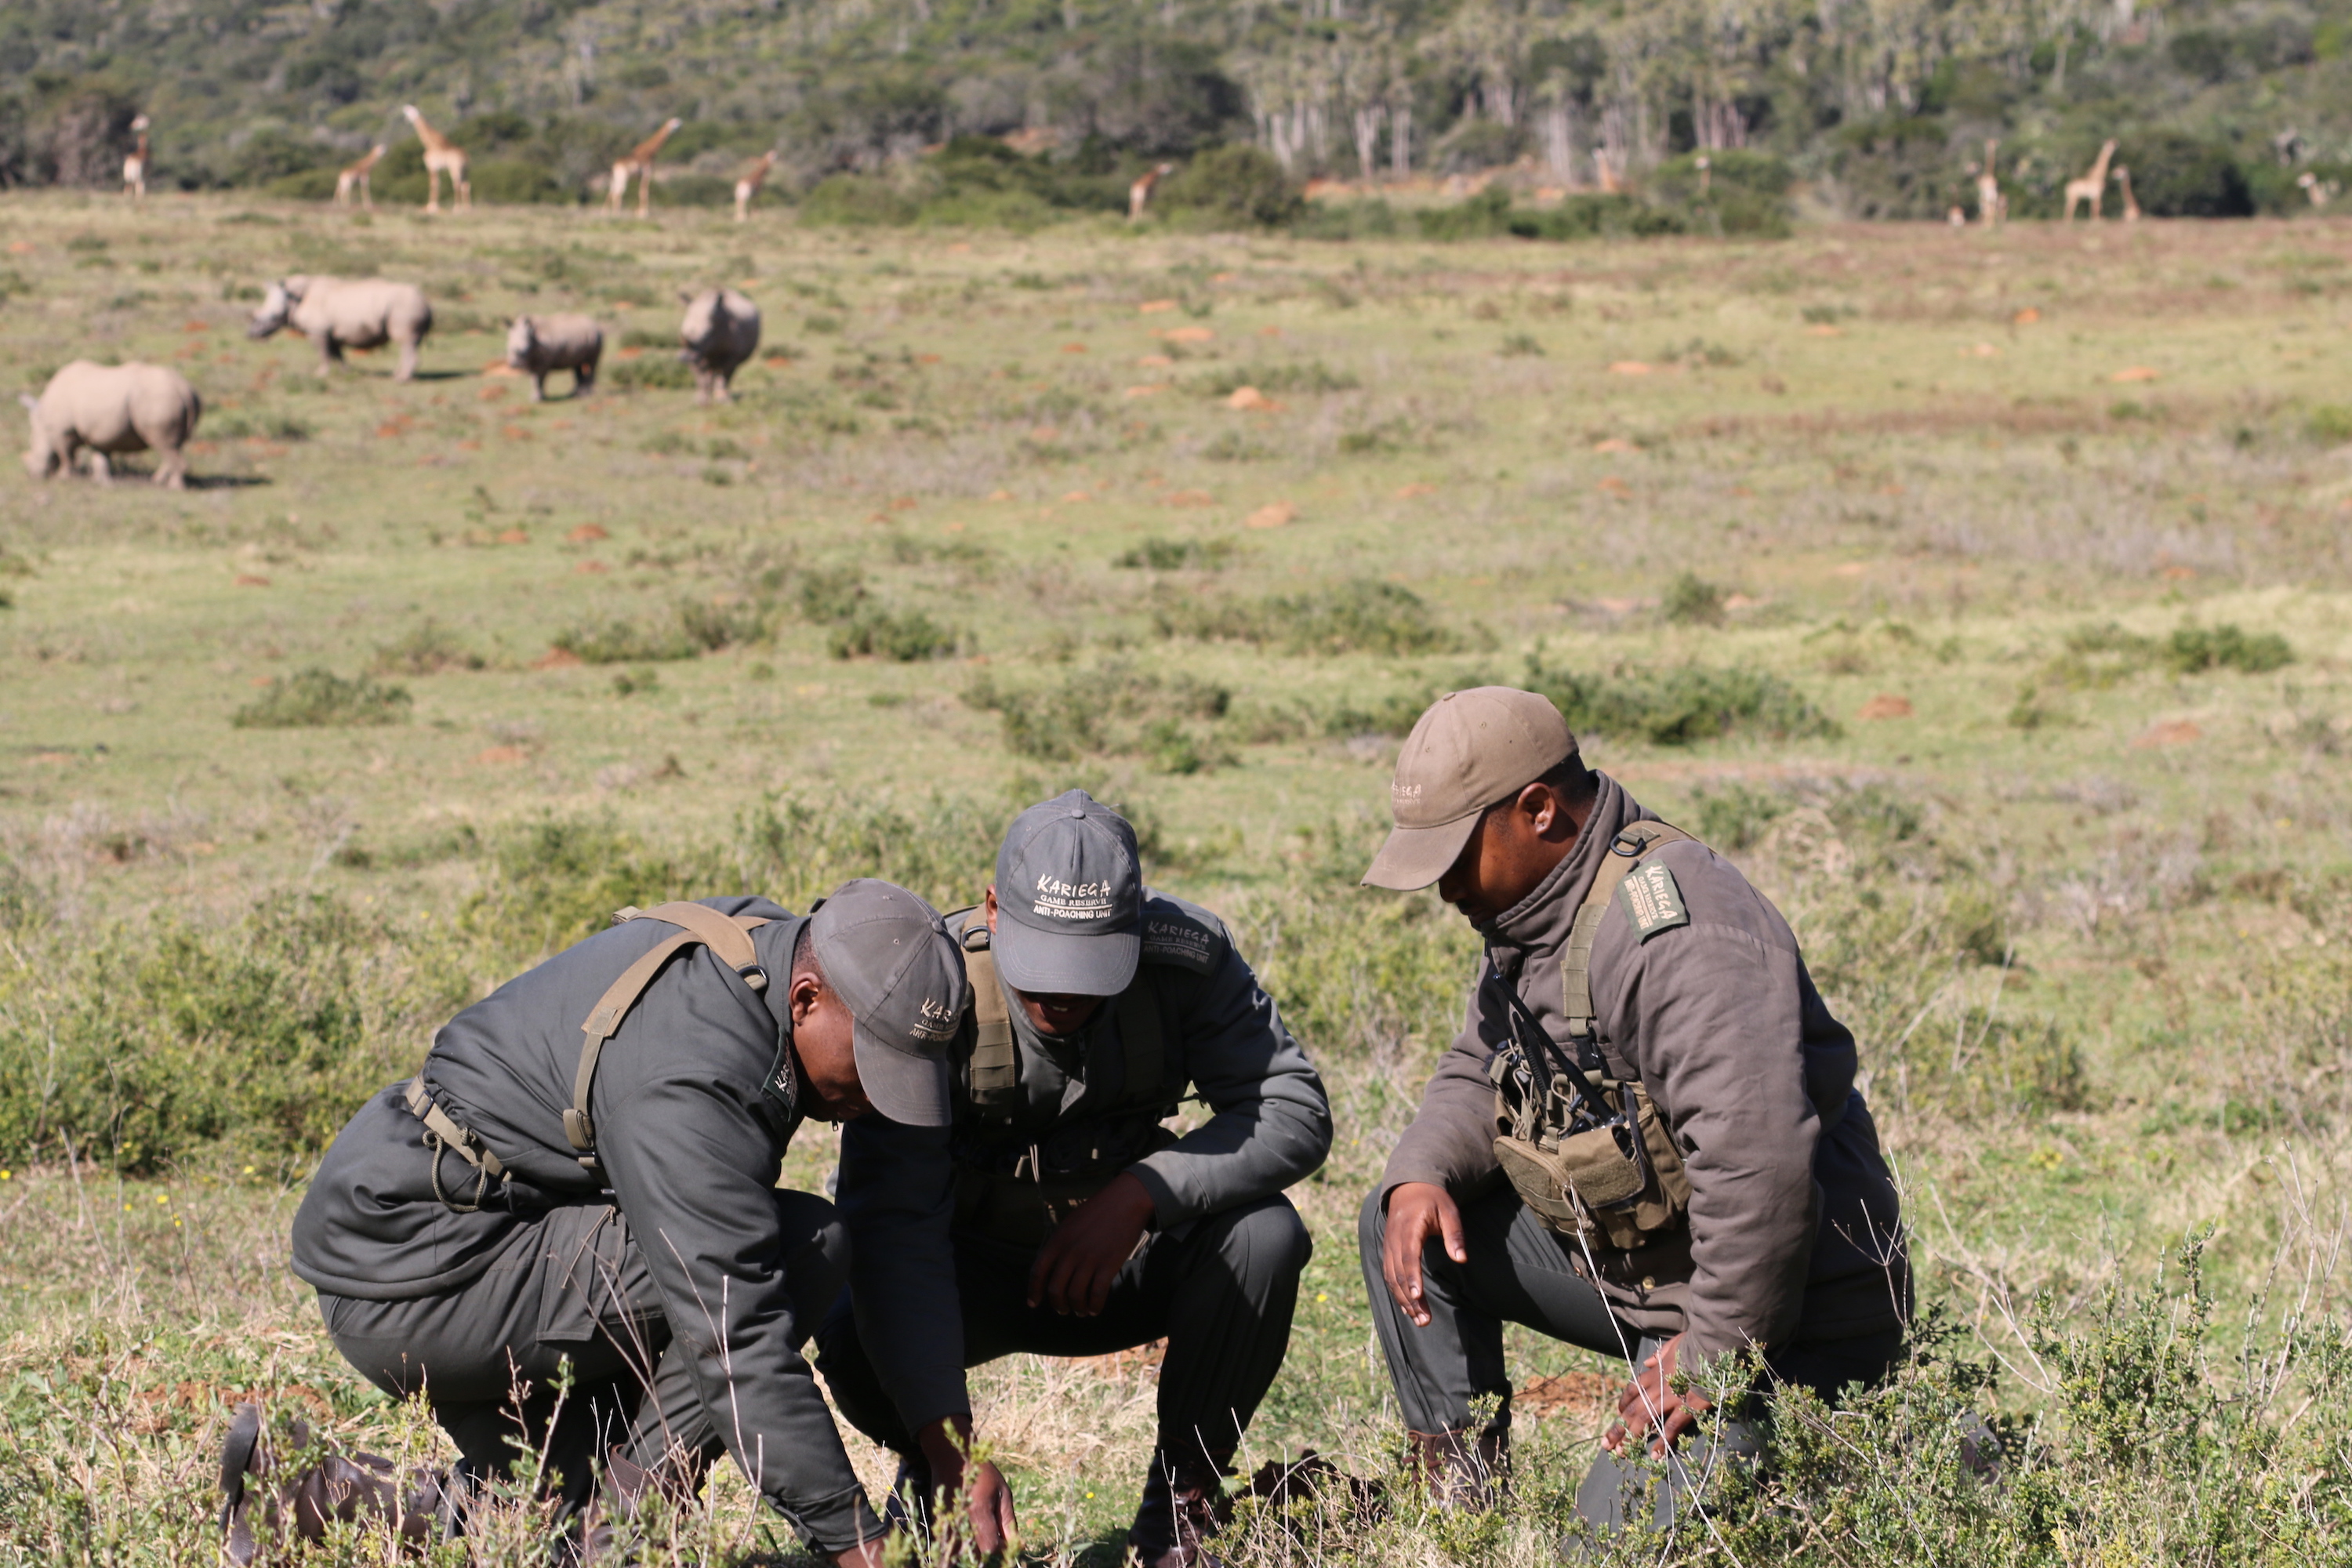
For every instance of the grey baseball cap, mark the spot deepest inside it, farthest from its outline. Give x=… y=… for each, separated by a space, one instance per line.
x=1470 y=750
x=1069 y=900
x=888 y=955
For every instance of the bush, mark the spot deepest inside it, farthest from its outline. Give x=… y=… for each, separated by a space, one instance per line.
x=905 y=636
x=1229 y=187
x=2194 y=649
x=427 y=649
x=1690 y=601
x=1747 y=193
x=858 y=201
x=2175 y=175
x=694 y=626
x=1681 y=705
x=320 y=699
x=1111 y=710
x=1361 y=616
x=664 y=372
x=1310 y=377
x=1157 y=554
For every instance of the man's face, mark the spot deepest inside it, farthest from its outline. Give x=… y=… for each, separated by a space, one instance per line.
x=1515 y=847
x=1050 y=1012
x=823 y=1041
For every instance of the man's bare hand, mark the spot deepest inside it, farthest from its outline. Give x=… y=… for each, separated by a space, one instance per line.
x=986 y=1501
x=1417 y=1211
x=1651 y=1405
x=1075 y=1270
x=865 y=1555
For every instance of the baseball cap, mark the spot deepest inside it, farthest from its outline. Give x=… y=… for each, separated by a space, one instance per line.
x=1470 y=750
x=888 y=955
x=1069 y=900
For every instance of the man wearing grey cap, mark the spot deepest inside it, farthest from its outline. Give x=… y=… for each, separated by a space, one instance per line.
x=1646 y=1139
x=1058 y=1216
x=579 y=1186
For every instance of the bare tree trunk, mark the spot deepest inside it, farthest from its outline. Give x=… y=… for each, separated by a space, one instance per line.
x=1367 y=125
x=1559 y=120
x=1400 y=140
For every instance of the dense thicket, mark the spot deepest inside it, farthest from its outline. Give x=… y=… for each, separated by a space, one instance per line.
x=2221 y=105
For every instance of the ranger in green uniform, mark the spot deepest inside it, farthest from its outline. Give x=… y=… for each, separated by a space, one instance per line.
x=1646 y=1141
x=582 y=1176
x=1058 y=1216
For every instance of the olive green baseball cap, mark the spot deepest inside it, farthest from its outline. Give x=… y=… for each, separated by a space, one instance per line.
x=1470 y=750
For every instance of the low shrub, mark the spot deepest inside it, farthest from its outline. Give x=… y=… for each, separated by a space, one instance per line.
x=655 y=373
x=1310 y=377
x=426 y=648
x=1111 y=708
x=1690 y=600
x=1236 y=186
x=317 y=698
x=1679 y=705
x=1361 y=617
x=908 y=636
x=1159 y=555
x=693 y=627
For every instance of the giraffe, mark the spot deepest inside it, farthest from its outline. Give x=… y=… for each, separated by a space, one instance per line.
x=2131 y=202
x=357 y=176
x=2314 y=188
x=640 y=163
x=134 y=167
x=2093 y=187
x=1139 y=193
x=1991 y=205
x=749 y=185
x=441 y=156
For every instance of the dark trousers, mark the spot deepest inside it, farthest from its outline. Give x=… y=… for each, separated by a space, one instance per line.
x=1522 y=1273
x=573 y=1294
x=1219 y=1290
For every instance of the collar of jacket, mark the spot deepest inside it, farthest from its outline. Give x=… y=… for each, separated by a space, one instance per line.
x=1541 y=922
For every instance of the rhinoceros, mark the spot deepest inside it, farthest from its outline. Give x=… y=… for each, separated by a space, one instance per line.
x=721 y=330
x=337 y=313
x=537 y=345
x=113 y=408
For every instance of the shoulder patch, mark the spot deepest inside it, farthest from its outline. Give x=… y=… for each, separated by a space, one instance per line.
x=1178 y=933
x=1652 y=900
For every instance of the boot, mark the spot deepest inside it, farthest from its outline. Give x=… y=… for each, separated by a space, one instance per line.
x=1183 y=1506
x=1461 y=1474
x=912 y=1498
x=416 y=1507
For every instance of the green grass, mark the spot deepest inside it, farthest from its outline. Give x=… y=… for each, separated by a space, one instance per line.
x=2030 y=715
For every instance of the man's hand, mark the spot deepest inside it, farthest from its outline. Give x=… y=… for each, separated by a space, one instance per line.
x=1650 y=1402
x=1417 y=1211
x=865 y=1555
x=987 y=1501
x=1074 y=1269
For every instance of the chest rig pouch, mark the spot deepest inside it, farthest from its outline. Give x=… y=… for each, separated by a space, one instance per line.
x=1016 y=1189
x=1587 y=1152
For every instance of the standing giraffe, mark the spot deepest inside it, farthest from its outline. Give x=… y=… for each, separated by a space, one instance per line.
x=441 y=156
x=749 y=185
x=2093 y=187
x=639 y=162
x=1991 y=205
x=1139 y=194
x=2131 y=204
x=134 y=167
x=356 y=174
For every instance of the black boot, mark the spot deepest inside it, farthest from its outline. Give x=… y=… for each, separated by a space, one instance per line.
x=322 y=1486
x=1183 y=1506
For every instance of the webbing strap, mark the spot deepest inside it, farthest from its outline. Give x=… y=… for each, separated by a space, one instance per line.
x=1625 y=852
x=729 y=937
x=995 y=1058
x=438 y=1121
x=1140 y=1042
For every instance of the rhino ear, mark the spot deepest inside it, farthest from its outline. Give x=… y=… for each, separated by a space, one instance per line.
x=685 y=296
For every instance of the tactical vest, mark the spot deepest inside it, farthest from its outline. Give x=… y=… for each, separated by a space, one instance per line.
x=1587 y=1152
x=728 y=936
x=1018 y=1191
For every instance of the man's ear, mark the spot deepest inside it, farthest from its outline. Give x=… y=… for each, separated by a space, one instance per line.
x=803 y=993
x=989 y=904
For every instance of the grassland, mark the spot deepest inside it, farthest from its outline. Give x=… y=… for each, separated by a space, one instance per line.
x=1893 y=560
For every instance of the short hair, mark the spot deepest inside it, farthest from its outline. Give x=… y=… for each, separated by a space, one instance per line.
x=1570 y=777
x=804 y=953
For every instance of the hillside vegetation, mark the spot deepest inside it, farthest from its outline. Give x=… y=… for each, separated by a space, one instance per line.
x=2222 y=106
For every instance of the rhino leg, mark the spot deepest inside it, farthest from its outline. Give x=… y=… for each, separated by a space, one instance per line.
x=171 y=468
x=407 y=370
x=99 y=468
x=583 y=378
x=329 y=353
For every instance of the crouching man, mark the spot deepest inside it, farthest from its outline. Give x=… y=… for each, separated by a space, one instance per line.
x=581 y=1180
x=1646 y=1141
x=1058 y=1216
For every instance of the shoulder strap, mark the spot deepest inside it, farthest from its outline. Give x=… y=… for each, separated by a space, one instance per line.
x=995 y=1060
x=1625 y=852
x=728 y=936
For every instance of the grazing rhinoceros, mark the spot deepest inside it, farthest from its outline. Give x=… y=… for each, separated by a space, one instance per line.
x=537 y=345
x=113 y=408
x=721 y=330
x=337 y=313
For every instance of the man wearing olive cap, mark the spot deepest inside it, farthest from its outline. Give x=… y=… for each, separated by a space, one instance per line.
x=1058 y=1216
x=581 y=1181
x=1646 y=1139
